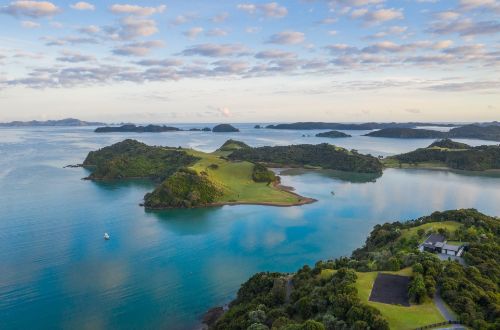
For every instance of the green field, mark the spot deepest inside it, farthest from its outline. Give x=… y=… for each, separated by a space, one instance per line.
x=390 y=162
x=235 y=180
x=399 y=317
x=451 y=226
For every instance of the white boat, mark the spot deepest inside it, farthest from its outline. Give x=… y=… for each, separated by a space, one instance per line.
x=106 y=236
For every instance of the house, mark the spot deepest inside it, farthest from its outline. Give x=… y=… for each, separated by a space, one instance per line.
x=437 y=243
x=433 y=243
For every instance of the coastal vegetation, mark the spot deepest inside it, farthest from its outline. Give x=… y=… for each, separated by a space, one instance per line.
x=407 y=133
x=335 y=294
x=450 y=154
x=480 y=132
x=190 y=178
x=333 y=134
x=221 y=128
x=132 y=159
x=323 y=155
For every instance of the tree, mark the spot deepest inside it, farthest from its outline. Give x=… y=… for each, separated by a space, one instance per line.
x=416 y=290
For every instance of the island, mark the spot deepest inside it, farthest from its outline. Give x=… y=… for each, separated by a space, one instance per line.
x=449 y=154
x=224 y=128
x=136 y=129
x=397 y=280
x=333 y=134
x=60 y=122
x=407 y=133
x=189 y=178
x=480 y=132
x=353 y=126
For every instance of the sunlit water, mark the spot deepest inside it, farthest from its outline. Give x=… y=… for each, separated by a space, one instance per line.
x=164 y=269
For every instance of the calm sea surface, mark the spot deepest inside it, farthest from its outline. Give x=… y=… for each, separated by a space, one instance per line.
x=165 y=269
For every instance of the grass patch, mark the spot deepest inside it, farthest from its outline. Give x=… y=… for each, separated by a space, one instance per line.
x=399 y=317
x=234 y=178
x=451 y=226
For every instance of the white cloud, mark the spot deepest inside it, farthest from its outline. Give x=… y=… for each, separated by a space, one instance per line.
x=138 y=48
x=271 y=9
x=132 y=27
x=193 y=32
x=33 y=9
x=136 y=10
x=30 y=25
x=216 y=50
x=82 y=5
x=377 y=16
x=287 y=38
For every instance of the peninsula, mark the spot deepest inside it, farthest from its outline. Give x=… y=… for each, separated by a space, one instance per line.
x=449 y=154
x=189 y=178
x=407 y=133
x=397 y=280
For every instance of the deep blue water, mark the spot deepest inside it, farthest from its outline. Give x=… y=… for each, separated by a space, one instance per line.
x=164 y=269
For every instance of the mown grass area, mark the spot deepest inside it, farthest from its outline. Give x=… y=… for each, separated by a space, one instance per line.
x=235 y=180
x=399 y=317
x=451 y=226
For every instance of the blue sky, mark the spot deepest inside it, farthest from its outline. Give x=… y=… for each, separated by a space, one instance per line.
x=237 y=61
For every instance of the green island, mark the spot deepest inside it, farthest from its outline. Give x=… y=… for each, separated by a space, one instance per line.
x=473 y=131
x=333 y=134
x=449 y=154
x=189 y=178
x=389 y=283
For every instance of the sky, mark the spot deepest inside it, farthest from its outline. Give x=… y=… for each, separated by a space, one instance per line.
x=257 y=61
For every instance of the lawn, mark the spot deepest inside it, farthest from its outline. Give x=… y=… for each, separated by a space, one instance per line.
x=235 y=180
x=399 y=317
x=451 y=226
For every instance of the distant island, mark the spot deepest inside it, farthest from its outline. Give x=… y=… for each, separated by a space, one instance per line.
x=61 y=122
x=333 y=134
x=396 y=280
x=449 y=154
x=162 y=128
x=491 y=132
x=233 y=174
x=136 y=129
x=407 y=133
x=354 y=126
x=224 y=128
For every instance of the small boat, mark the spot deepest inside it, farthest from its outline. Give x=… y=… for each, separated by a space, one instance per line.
x=106 y=236
x=333 y=193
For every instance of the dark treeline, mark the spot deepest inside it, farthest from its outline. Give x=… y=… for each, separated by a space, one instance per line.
x=322 y=155
x=353 y=126
x=460 y=156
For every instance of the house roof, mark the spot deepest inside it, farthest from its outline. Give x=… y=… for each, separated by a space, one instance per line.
x=434 y=240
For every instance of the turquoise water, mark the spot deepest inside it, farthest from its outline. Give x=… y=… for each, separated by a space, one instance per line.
x=164 y=269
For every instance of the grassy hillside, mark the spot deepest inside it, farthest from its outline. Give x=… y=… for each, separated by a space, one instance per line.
x=235 y=180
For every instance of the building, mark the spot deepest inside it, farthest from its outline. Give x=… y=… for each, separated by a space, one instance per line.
x=437 y=243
